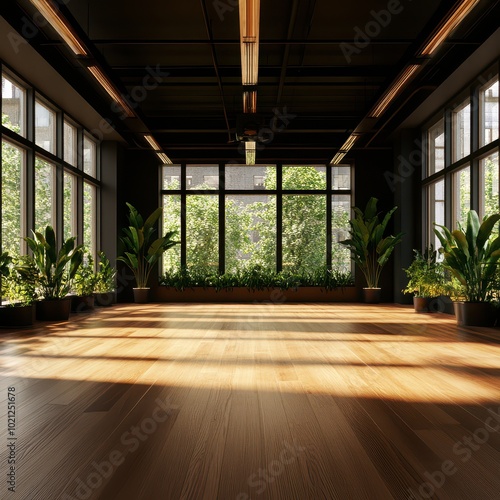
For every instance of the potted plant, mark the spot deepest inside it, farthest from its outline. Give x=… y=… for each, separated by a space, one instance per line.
x=471 y=254
x=56 y=268
x=104 y=289
x=425 y=279
x=19 y=288
x=142 y=249
x=83 y=285
x=370 y=249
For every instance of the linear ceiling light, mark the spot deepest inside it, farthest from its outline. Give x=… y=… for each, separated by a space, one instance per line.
x=447 y=26
x=109 y=87
x=250 y=152
x=152 y=142
x=158 y=150
x=249 y=40
x=337 y=158
x=344 y=149
x=393 y=91
x=164 y=158
x=62 y=27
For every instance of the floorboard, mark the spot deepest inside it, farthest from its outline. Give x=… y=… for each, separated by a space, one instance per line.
x=249 y=401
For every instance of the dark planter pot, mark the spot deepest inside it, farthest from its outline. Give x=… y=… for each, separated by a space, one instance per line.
x=459 y=314
x=478 y=314
x=105 y=299
x=53 y=310
x=82 y=304
x=428 y=304
x=141 y=295
x=421 y=304
x=243 y=294
x=17 y=316
x=372 y=295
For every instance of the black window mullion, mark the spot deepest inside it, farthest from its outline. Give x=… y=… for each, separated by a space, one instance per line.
x=183 y=216
x=329 y=216
x=279 y=218
x=222 y=220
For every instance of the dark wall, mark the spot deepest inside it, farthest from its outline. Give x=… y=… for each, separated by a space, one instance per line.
x=138 y=184
x=372 y=171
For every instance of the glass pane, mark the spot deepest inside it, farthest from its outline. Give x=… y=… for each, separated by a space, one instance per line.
x=295 y=177
x=45 y=127
x=89 y=218
x=89 y=156
x=488 y=182
x=172 y=222
x=171 y=177
x=489 y=112
x=202 y=177
x=12 y=198
x=435 y=197
x=461 y=131
x=250 y=232
x=341 y=213
x=461 y=196
x=70 y=143
x=436 y=148
x=341 y=177
x=255 y=177
x=44 y=194
x=69 y=200
x=304 y=232
x=202 y=232
x=13 y=106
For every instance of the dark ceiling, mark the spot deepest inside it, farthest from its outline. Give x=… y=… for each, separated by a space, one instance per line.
x=317 y=81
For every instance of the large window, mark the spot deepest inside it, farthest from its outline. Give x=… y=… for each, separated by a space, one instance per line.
x=45 y=181
x=45 y=194
x=435 y=138
x=13 y=105
x=13 y=203
x=488 y=97
x=45 y=127
x=488 y=176
x=294 y=222
x=469 y=140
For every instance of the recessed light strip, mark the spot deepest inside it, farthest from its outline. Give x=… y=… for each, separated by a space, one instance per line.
x=62 y=27
x=337 y=158
x=393 y=91
x=443 y=31
x=108 y=86
x=164 y=158
x=152 y=142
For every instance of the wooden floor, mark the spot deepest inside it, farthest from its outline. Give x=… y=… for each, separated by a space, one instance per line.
x=256 y=401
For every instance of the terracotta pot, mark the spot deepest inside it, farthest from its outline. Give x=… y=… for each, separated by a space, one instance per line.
x=141 y=295
x=372 y=295
x=17 y=316
x=82 y=304
x=53 y=310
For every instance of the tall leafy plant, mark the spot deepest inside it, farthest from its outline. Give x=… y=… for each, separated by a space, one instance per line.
x=471 y=254
x=56 y=266
x=370 y=248
x=142 y=249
